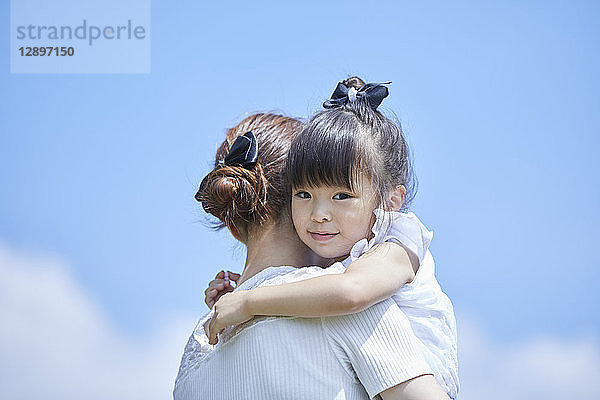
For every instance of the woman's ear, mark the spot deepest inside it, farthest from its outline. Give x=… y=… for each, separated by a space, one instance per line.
x=397 y=195
x=236 y=233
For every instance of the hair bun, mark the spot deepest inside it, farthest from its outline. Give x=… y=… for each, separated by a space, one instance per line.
x=244 y=196
x=234 y=194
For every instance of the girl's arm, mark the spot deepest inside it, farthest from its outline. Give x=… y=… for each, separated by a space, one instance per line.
x=374 y=276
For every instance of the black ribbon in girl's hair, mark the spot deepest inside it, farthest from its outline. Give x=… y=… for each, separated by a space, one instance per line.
x=243 y=151
x=374 y=93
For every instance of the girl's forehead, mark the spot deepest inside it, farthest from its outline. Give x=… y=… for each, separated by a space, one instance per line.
x=322 y=186
x=360 y=184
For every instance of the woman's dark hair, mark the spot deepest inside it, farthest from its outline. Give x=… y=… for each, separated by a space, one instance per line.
x=339 y=145
x=241 y=197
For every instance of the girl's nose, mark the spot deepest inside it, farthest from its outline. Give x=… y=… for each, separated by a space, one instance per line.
x=321 y=213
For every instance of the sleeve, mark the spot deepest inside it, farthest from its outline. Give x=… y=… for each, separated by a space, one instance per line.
x=406 y=229
x=378 y=345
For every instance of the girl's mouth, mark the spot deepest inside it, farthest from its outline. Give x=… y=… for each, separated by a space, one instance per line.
x=322 y=236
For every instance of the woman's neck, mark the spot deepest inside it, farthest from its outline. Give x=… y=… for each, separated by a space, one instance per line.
x=273 y=246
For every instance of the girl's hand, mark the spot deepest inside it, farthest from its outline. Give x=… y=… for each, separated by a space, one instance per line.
x=231 y=309
x=219 y=286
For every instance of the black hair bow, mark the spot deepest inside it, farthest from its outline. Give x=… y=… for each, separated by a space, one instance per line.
x=243 y=151
x=374 y=93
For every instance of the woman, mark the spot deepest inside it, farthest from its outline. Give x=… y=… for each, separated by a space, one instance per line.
x=356 y=356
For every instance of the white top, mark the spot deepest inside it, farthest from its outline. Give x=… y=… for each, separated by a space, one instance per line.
x=350 y=357
x=428 y=309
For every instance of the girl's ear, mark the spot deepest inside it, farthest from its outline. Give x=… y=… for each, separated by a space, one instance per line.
x=397 y=197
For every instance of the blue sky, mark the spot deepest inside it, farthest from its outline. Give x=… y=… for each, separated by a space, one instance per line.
x=499 y=101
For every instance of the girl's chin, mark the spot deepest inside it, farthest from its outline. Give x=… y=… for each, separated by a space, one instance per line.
x=327 y=250
x=334 y=256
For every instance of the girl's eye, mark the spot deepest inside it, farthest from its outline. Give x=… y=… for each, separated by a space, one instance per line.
x=303 y=195
x=342 y=196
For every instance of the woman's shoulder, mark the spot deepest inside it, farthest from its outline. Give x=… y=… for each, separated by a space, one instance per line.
x=291 y=274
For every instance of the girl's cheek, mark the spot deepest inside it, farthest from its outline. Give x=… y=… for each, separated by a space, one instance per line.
x=298 y=217
x=295 y=219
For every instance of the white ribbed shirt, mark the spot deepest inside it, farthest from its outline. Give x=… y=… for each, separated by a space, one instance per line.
x=428 y=309
x=353 y=356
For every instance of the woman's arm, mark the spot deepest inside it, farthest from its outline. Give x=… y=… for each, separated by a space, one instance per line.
x=374 y=276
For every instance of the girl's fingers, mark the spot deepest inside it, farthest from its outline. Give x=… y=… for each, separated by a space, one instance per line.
x=210 y=299
x=213 y=295
x=210 y=296
x=212 y=329
x=221 y=293
x=233 y=276
x=211 y=286
x=221 y=275
x=218 y=284
x=218 y=290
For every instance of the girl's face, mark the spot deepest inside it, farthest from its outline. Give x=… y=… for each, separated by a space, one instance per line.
x=330 y=219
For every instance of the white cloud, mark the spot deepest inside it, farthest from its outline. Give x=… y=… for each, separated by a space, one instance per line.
x=55 y=342
x=542 y=368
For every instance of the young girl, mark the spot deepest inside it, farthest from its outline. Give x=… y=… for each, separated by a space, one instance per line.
x=349 y=172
